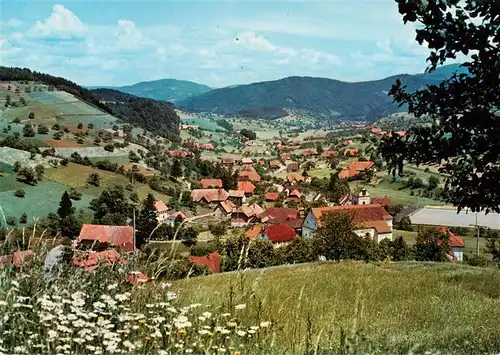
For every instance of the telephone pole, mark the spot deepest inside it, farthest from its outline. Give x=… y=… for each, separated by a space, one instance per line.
x=477 y=226
x=133 y=248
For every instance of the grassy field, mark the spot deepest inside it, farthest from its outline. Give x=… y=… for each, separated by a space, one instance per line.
x=75 y=175
x=39 y=201
x=397 y=307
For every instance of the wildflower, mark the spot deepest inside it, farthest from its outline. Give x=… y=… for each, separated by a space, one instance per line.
x=142 y=321
x=15 y=283
x=171 y=296
x=99 y=305
x=241 y=333
x=156 y=334
x=225 y=315
x=19 y=349
x=165 y=285
x=253 y=327
x=231 y=324
x=122 y=296
x=207 y=314
x=203 y=332
x=182 y=331
x=202 y=318
x=79 y=340
x=265 y=324
x=112 y=286
x=240 y=306
x=195 y=305
x=128 y=345
x=3 y=303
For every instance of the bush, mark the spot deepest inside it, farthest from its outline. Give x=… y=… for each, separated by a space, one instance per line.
x=11 y=221
x=23 y=219
x=476 y=260
x=74 y=194
x=20 y=193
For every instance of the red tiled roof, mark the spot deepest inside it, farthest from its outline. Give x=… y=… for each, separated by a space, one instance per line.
x=295 y=193
x=272 y=196
x=160 y=206
x=454 y=240
x=246 y=186
x=254 y=232
x=292 y=167
x=179 y=153
x=212 y=261
x=384 y=201
x=208 y=183
x=17 y=258
x=177 y=214
x=236 y=193
x=284 y=156
x=137 y=278
x=121 y=237
x=380 y=226
x=228 y=206
x=282 y=215
x=351 y=152
x=91 y=261
x=257 y=210
x=209 y=195
x=358 y=213
x=246 y=161
x=347 y=142
x=246 y=210
x=361 y=165
x=247 y=167
x=295 y=177
x=227 y=161
x=329 y=153
x=274 y=164
x=249 y=175
x=279 y=233
x=310 y=153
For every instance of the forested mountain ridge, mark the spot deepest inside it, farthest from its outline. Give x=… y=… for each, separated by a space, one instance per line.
x=155 y=116
x=165 y=89
x=334 y=98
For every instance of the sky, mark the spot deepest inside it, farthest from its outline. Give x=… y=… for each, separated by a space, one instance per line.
x=214 y=43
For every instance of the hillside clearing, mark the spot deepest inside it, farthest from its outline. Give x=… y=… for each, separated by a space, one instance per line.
x=402 y=305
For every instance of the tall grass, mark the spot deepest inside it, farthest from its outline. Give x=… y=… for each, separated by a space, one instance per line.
x=367 y=308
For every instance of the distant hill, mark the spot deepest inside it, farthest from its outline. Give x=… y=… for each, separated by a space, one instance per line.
x=321 y=96
x=165 y=89
x=155 y=116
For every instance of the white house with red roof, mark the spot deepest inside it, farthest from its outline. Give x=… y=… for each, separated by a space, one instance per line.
x=162 y=210
x=456 y=244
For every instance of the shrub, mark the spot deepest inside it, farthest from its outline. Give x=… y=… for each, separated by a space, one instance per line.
x=20 y=193
x=476 y=260
x=11 y=221
x=23 y=219
x=74 y=194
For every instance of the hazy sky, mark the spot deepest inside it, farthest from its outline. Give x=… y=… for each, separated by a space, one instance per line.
x=214 y=43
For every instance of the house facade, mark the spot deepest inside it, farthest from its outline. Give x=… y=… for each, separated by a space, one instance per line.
x=370 y=220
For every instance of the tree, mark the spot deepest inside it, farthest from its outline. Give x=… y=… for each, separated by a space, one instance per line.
x=493 y=244
x=147 y=220
x=336 y=239
x=176 y=170
x=29 y=131
x=20 y=193
x=40 y=170
x=319 y=149
x=90 y=126
x=431 y=244
x=337 y=188
x=58 y=135
x=80 y=125
x=16 y=120
x=248 y=134
x=16 y=167
x=65 y=206
x=111 y=207
x=27 y=175
x=464 y=109
x=24 y=218
x=134 y=197
x=433 y=182
x=94 y=179
x=109 y=147
x=405 y=224
x=74 y=194
x=189 y=236
x=42 y=129
x=31 y=116
x=97 y=140
x=133 y=157
x=56 y=127
x=218 y=230
x=399 y=249
x=64 y=162
x=70 y=226
x=7 y=100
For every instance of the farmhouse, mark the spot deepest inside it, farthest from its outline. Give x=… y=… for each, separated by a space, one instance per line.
x=329 y=153
x=242 y=216
x=17 y=259
x=246 y=161
x=225 y=208
x=209 y=195
x=210 y=183
x=355 y=168
x=174 y=216
x=309 y=153
x=353 y=152
x=246 y=186
x=292 y=167
x=179 y=153
x=227 y=162
x=211 y=261
x=294 y=196
x=248 y=175
x=277 y=215
x=284 y=156
x=120 y=237
x=456 y=244
x=274 y=164
x=91 y=261
x=271 y=196
x=347 y=142
x=295 y=178
x=276 y=233
x=369 y=220
x=237 y=196
x=162 y=210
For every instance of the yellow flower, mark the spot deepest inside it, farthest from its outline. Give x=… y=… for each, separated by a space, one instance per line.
x=182 y=331
x=142 y=321
x=237 y=353
x=100 y=319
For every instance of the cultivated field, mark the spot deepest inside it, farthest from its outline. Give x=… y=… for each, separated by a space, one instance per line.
x=392 y=308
